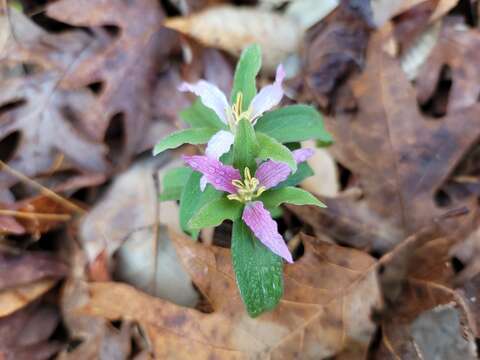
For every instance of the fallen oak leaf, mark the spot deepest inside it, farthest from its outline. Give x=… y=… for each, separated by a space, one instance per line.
x=456 y=43
x=43 y=127
x=329 y=293
x=124 y=66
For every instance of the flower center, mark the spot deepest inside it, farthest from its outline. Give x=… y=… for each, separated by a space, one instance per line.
x=237 y=113
x=248 y=189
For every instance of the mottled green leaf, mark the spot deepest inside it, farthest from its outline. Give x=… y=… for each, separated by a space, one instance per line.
x=246 y=72
x=192 y=136
x=198 y=115
x=257 y=269
x=294 y=123
x=245 y=147
x=173 y=183
x=193 y=199
x=290 y=195
x=273 y=150
x=215 y=212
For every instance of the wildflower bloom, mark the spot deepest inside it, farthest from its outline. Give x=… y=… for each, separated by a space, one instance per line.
x=247 y=190
x=212 y=97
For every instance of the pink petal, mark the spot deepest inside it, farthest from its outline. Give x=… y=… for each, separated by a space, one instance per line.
x=217 y=174
x=271 y=173
x=219 y=144
x=301 y=155
x=269 y=96
x=265 y=229
x=210 y=95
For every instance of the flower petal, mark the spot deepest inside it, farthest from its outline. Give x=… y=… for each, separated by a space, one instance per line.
x=268 y=96
x=271 y=173
x=259 y=220
x=219 y=144
x=203 y=183
x=217 y=174
x=301 y=155
x=210 y=95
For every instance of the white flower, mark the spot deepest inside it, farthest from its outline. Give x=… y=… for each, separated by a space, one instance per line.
x=212 y=97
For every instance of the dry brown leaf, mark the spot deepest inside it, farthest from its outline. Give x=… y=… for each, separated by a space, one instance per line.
x=15 y=298
x=385 y=10
x=232 y=28
x=329 y=295
x=25 y=333
x=123 y=65
x=334 y=49
x=28 y=267
x=456 y=44
x=399 y=157
x=38 y=122
x=26 y=277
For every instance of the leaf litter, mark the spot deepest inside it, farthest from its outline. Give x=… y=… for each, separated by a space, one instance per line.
x=97 y=268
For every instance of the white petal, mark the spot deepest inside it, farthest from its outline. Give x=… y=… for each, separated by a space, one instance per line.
x=203 y=183
x=269 y=96
x=219 y=144
x=210 y=95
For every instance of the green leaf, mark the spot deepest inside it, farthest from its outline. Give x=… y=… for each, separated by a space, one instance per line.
x=246 y=72
x=245 y=147
x=193 y=199
x=215 y=212
x=198 y=115
x=188 y=136
x=276 y=212
x=257 y=269
x=173 y=183
x=290 y=195
x=272 y=149
x=294 y=123
x=303 y=171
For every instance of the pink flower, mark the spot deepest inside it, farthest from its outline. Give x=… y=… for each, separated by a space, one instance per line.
x=212 y=97
x=268 y=175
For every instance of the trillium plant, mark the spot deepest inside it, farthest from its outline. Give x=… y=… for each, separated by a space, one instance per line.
x=251 y=166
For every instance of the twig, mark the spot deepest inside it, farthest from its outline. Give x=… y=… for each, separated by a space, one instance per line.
x=35 y=216
x=45 y=191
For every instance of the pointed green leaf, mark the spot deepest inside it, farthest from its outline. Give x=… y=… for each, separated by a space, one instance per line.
x=246 y=72
x=257 y=269
x=215 y=212
x=294 y=123
x=198 y=115
x=245 y=147
x=273 y=150
x=193 y=199
x=173 y=183
x=303 y=171
x=192 y=136
x=290 y=195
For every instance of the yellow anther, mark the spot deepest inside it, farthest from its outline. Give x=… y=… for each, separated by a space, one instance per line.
x=248 y=189
x=237 y=110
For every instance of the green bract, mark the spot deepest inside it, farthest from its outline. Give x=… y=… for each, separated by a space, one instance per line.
x=243 y=132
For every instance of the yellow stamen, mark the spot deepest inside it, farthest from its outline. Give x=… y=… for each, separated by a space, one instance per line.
x=248 y=189
x=237 y=112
